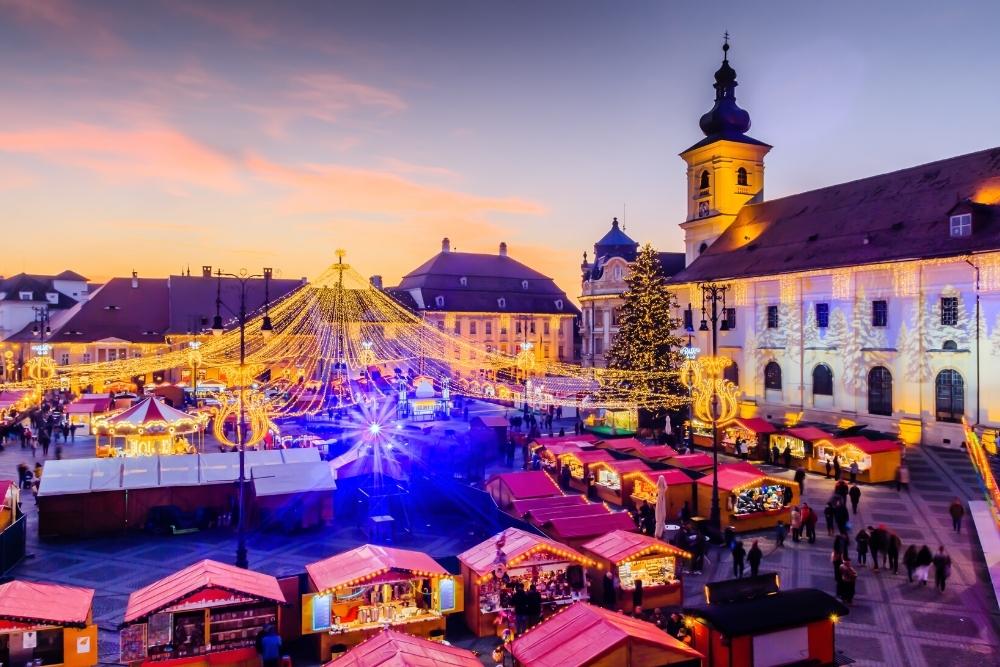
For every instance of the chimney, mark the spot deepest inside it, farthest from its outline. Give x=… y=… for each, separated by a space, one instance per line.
x=376 y=282
x=445 y=245
x=206 y=271
x=135 y=280
x=503 y=249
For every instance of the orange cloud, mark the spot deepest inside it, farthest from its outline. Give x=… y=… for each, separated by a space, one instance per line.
x=152 y=154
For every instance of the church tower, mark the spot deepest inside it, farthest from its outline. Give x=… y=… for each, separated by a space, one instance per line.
x=725 y=170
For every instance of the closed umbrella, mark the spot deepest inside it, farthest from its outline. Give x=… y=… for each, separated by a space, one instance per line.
x=661 y=506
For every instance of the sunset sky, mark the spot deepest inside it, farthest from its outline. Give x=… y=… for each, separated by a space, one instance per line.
x=157 y=135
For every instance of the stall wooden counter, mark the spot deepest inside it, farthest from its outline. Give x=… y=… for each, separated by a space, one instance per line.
x=878 y=460
x=613 y=479
x=578 y=464
x=492 y=568
x=49 y=623
x=680 y=489
x=635 y=557
x=748 y=499
x=358 y=593
x=209 y=613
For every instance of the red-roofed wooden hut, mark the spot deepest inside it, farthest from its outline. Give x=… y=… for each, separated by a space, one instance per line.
x=623 y=445
x=206 y=614
x=680 y=489
x=508 y=487
x=491 y=569
x=549 y=449
x=398 y=649
x=578 y=464
x=878 y=460
x=636 y=557
x=748 y=498
x=48 y=622
x=521 y=508
x=754 y=432
x=657 y=453
x=357 y=593
x=698 y=462
x=613 y=481
x=583 y=635
x=575 y=530
x=799 y=442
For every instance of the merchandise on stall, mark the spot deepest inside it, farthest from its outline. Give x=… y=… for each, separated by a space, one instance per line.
x=798 y=440
x=635 y=557
x=749 y=499
x=877 y=460
x=644 y=488
x=753 y=434
x=46 y=624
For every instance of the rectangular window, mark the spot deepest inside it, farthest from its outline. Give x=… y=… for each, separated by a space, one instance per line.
x=822 y=315
x=489 y=328
x=960 y=225
x=688 y=320
x=503 y=328
x=729 y=314
x=64 y=359
x=880 y=313
x=772 y=317
x=519 y=327
x=545 y=328
x=615 y=314
x=599 y=346
x=546 y=350
x=86 y=357
x=26 y=296
x=458 y=327
x=472 y=328
x=503 y=348
x=949 y=311
x=531 y=327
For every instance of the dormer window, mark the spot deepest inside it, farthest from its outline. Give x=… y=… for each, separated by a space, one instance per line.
x=559 y=304
x=741 y=176
x=501 y=303
x=618 y=273
x=439 y=301
x=26 y=296
x=524 y=284
x=52 y=297
x=463 y=281
x=704 y=181
x=960 y=225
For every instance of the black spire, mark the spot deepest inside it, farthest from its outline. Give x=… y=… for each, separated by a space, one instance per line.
x=726 y=119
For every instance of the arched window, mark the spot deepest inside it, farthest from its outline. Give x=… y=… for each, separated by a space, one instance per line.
x=772 y=376
x=822 y=381
x=880 y=391
x=741 y=176
x=704 y=181
x=950 y=396
x=732 y=373
x=439 y=301
x=950 y=345
x=702 y=248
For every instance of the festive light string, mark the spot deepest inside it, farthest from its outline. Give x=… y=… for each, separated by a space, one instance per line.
x=328 y=333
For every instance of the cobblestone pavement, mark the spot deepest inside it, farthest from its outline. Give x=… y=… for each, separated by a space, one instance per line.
x=891 y=623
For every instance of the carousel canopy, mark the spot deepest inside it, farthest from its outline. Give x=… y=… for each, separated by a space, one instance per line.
x=516 y=543
x=151 y=414
x=351 y=566
x=32 y=602
x=204 y=574
x=620 y=545
x=582 y=633
x=397 y=649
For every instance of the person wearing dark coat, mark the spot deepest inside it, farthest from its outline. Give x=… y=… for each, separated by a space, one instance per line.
x=924 y=561
x=828 y=515
x=861 y=539
x=848 y=581
x=877 y=542
x=637 y=595
x=910 y=561
x=788 y=456
x=610 y=597
x=739 y=555
x=754 y=556
x=837 y=559
x=892 y=552
x=829 y=468
x=942 y=568
x=841 y=516
x=957 y=511
x=842 y=491
x=855 y=494
x=836 y=467
x=809 y=521
x=800 y=479
x=775 y=455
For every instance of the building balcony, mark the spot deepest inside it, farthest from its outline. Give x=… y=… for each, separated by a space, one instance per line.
x=745 y=190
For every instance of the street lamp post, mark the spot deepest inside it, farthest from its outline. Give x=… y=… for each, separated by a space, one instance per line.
x=713 y=293
x=242 y=279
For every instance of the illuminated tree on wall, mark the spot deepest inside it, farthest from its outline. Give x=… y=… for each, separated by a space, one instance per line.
x=645 y=341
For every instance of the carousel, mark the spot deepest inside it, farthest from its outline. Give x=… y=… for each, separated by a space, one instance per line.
x=150 y=428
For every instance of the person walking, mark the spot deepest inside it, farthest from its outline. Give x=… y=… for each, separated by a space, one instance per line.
x=942 y=568
x=861 y=539
x=957 y=511
x=739 y=556
x=836 y=468
x=924 y=562
x=837 y=559
x=800 y=479
x=754 y=557
x=892 y=552
x=855 y=495
x=610 y=597
x=854 y=470
x=828 y=515
x=779 y=534
x=829 y=467
x=848 y=580
x=841 y=516
x=796 y=522
x=910 y=561
x=838 y=544
x=636 y=595
x=809 y=519
x=877 y=542
x=269 y=646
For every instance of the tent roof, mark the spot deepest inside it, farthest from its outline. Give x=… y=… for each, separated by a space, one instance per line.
x=866 y=445
x=65 y=476
x=785 y=609
x=517 y=543
x=140 y=472
x=576 y=527
x=756 y=424
x=391 y=648
x=531 y=484
x=620 y=545
x=366 y=560
x=581 y=633
x=203 y=574
x=150 y=410
x=292 y=478
x=33 y=602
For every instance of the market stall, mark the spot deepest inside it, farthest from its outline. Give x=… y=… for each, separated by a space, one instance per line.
x=753 y=433
x=634 y=557
x=522 y=508
x=610 y=421
x=208 y=613
x=574 y=529
x=492 y=568
x=578 y=464
x=627 y=446
x=878 y=460
x=148 y=428
x=358 y=593
x=799 y=442
x=749 y=499
x=697 y=462
x=583 y=635
x=701 y=432
x=46 y=624
x=613 y=479
x=392 y=648
x=293 y=496
x=680 y=489
x=82 y=412
x=508 y=487
x=550 y=449
x=656 y=453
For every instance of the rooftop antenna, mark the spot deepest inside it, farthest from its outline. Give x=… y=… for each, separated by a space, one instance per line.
x=623 y=216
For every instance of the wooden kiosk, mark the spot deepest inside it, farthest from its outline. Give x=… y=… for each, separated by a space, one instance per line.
x=628 y=446
x=358 y=593
x=753 y=431
x=680 y=489
x=696 y=462
x=579 y=464
x=800 y=441
x=878 y=460
x=492 y=568
x=208 y=614
x=749 y=499
x=635 y=557
x=47 y=624
x=508 y=488
x=656 y=453
x=613 y=479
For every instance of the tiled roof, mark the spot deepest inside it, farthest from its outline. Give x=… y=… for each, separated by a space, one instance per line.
x=118 y=310
x=192 y=300
x=896 y=216
x=38 y=285
x=70 y=276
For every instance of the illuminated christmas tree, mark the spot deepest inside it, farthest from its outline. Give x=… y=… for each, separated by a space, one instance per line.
x=645 y=340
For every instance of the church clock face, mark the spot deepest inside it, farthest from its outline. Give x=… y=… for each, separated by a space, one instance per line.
x=702 y=209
